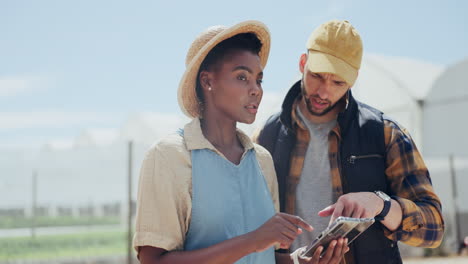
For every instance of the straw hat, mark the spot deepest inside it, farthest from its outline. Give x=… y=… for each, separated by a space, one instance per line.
x=201 y=46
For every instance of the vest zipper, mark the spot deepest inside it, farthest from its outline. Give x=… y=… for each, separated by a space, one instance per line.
x=352 y=159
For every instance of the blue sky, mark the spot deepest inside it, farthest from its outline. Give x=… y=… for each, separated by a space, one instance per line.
x=70 y=65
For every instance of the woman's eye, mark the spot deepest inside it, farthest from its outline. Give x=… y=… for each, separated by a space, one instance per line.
x=259 y=82
x=242 y=78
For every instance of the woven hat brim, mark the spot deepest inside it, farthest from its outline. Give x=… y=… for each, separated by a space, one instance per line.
x=186 y=93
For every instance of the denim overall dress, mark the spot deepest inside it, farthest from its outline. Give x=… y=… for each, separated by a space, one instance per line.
x=228 y=200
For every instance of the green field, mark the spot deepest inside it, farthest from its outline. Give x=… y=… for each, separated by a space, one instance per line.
x=44 y=221
x=63 y=246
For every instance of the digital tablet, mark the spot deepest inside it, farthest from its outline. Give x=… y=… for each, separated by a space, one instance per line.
x=346 y=227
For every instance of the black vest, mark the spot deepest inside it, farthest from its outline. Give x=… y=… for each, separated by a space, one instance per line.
x=362 y=159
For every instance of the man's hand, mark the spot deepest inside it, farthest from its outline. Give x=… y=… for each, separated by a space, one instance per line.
x=357 y=205
x=281 y=229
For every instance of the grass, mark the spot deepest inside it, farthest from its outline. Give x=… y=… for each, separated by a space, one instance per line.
x=45 y=221
x=49 y=247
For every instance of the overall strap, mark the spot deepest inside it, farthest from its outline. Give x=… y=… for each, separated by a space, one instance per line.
x=228 y=200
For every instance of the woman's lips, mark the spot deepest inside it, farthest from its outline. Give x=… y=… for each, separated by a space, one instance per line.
x=252 y=108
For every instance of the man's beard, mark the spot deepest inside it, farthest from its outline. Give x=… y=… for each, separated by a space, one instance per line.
x=309 y=104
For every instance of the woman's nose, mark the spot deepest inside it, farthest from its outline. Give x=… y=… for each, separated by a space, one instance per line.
x=256 y=90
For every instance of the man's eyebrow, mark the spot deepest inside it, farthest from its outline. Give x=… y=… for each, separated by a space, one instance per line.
x=316 y=73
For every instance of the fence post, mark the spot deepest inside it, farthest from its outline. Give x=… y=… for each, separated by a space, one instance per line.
x=34 y=204
x=130 y=207
x=455 y=199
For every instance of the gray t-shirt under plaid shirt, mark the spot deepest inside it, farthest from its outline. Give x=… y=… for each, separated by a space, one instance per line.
x=314 y=191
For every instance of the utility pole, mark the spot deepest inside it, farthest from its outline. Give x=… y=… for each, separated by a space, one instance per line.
x=130 y=206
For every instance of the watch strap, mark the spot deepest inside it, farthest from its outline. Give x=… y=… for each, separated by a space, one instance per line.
x=384 y=212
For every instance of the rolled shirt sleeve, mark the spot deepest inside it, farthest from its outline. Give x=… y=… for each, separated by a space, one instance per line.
x=422 y=222
x=164 y=199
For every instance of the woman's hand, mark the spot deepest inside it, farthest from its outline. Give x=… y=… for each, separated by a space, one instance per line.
x=333 y=255
x=280 y=229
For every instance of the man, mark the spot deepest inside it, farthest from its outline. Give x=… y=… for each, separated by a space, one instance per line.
x=335 y=156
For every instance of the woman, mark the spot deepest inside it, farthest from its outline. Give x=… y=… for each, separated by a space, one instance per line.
x=207 y=194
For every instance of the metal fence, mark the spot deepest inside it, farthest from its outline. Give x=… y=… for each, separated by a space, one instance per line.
x=78 y=205
x=69 y=206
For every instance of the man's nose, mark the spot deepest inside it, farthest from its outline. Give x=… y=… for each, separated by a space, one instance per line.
x=324 y=89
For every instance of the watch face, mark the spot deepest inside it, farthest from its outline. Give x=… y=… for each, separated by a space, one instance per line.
x=383 y=195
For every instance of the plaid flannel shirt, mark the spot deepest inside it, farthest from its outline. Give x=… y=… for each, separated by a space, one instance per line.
x=422 y=223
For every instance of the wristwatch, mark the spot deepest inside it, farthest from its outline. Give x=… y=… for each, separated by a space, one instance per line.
x=386 y=207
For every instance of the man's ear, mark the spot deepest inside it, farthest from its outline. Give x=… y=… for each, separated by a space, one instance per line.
x=302 y=62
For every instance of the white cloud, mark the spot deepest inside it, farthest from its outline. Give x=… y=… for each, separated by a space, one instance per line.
x=23 y=84
x=49 y=119
x=10 y=87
